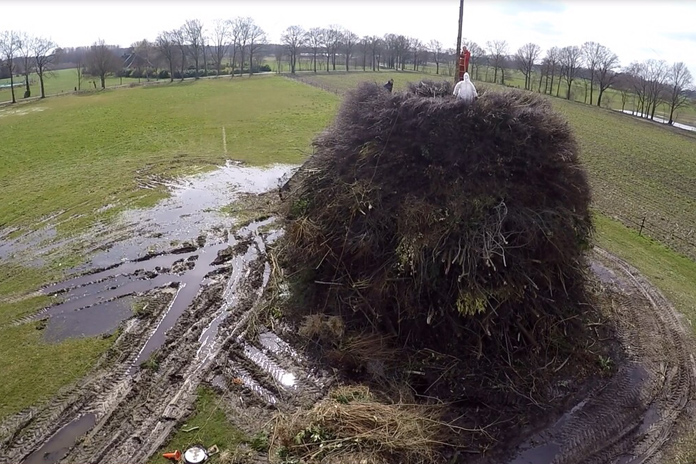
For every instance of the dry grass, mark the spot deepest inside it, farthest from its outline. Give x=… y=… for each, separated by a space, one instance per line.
x=351 y=425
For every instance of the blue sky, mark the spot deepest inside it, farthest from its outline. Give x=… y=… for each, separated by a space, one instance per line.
x=634 y=30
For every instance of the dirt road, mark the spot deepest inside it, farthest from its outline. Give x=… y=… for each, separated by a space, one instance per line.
x=632 y=418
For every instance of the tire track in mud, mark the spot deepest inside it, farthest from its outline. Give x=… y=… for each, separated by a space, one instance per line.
x=135 y=409
x=632 y=417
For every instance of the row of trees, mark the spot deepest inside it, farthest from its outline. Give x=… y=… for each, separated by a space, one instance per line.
x=240 y=44
x=651 y=81
x=24 y=54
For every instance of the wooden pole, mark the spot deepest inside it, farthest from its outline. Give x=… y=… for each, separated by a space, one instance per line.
x=459 y=37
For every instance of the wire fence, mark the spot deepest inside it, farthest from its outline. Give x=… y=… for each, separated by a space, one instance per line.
x=680 y=238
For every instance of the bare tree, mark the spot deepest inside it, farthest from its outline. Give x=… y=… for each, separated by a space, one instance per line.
x=332 y=40
x=193 y=32
x=364 y=50
x=551 y=60
x=526 y=56
x=9 y=47
x=143 y=57
x=26 y=44
x=498 y=50
x=607 y=64
x=240 y=39
x=656 y=72
x=179 y=37
x=45 y=55
x=570 y=61
x=314 y=38
x=636 y=78
x=679 y=79
x=257 y=37
x=102 y=61
x=221 y=42
x=79 y=67
x=348 y=40
x=590 y=56
x=375 y=49
x=165 y=44
x=415 y=46
x=435 y=47
x=293 y=38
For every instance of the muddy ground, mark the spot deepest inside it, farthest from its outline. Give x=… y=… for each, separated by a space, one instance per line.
x=199 y=283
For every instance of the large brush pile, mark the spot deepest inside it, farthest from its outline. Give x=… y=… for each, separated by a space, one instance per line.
x=449 y=224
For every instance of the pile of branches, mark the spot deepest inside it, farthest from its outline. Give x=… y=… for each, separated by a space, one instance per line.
x=450 y=225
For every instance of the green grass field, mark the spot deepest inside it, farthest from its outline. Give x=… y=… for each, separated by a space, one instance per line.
x=63 y=81
x=213 y=428
x=75 y=154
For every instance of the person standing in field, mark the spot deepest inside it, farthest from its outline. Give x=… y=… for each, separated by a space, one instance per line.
x=389 y=85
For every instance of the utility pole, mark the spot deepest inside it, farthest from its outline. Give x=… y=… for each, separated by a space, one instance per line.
x=459 y=36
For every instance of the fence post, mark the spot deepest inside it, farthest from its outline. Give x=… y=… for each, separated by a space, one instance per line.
x=642 y=224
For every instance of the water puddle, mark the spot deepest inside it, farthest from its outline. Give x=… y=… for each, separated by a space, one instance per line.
x=661 y=120
x=96 y=320
x=543 y=454
x=609 y=277
x=189 y=286
x=193 y=207
x=59 y=444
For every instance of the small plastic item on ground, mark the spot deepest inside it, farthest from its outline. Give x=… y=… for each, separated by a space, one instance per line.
x=196 y=454
x=174 y=456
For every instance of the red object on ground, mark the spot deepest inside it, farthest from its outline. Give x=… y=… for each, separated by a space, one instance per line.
x=464 y=58
x=176 y=455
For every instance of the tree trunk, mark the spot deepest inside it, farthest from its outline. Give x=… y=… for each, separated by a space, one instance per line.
x=570 y=84
x=328 y=61
x=315 y=61
x=14 y=100
x=558 y=87
x=103 y=81
x=27 y=90
x=553 y=72
x=592 y=86
x=41 y=83
x=671 y=113
x=347 y=61
x=437 y=67
x=599 y=98
x=495 y=74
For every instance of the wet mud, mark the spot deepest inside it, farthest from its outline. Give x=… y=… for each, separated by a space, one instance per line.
x=634 y=415
x=195 y=321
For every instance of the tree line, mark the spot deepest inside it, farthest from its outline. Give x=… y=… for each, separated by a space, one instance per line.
x=239 y=45
x=23 y=54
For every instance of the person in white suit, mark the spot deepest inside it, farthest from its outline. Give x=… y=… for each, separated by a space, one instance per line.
x=465 y=90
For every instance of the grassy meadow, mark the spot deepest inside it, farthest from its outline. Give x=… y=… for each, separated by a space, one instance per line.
x=69 y=156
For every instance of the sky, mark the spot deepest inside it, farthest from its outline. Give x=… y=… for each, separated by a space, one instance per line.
x=635 y=30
